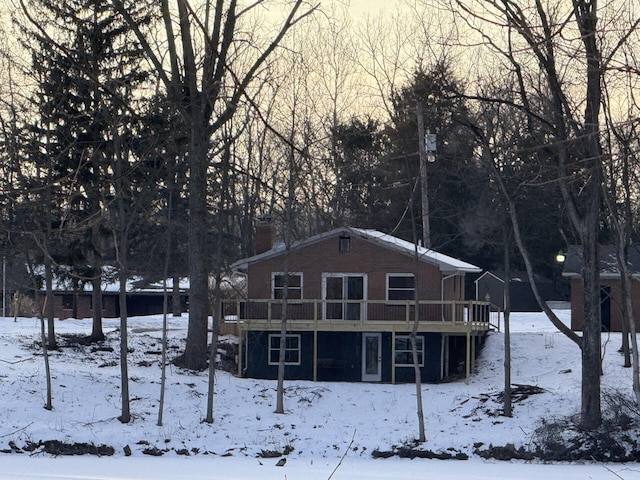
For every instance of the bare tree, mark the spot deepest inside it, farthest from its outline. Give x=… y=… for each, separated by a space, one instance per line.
x=205 y=86
x=620 y=192
x=552 y=49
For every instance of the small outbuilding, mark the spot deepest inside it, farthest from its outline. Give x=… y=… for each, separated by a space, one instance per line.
x=490 y=286
x=142 y=299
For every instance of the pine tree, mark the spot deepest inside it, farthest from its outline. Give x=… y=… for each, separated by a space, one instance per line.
x=85 y=63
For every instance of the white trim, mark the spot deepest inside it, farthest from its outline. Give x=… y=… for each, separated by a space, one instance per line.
x=372 y=377
x=300 y=274
x=288 y=335
x=419 y=339
x=363 y=301
x=406 y=275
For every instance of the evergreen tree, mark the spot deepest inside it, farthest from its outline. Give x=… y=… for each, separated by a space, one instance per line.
x=85 y=64
x=359 y=176
x=454 y=178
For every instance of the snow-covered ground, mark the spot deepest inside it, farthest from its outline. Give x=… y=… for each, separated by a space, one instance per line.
x=327 y=426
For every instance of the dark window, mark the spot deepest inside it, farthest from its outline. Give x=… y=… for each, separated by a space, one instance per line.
x=291 y=349
x=67 y=301
x=345 y=244
x=401 y=287
x=404 y=353
x=294 y=287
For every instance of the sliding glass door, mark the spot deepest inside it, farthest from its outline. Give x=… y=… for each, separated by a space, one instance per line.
x=344 y=296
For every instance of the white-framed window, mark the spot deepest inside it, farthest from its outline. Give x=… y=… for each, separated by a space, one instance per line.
x=291 y=349
x=344 y=296
x=404 y=353
x=401 y=286
x=294 y=287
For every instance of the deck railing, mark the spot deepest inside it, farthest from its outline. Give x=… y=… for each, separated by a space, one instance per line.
x=268 y=313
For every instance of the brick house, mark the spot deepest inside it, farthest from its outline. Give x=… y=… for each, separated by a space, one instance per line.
x=80 y=304
x=141 y=300
x=610 y=291
x=350 y=309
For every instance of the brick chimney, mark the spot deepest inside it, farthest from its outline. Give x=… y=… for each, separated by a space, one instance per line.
x=263 y=238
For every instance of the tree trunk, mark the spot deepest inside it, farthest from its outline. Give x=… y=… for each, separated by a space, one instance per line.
x=591 y=339
x=45 y=354
x=507 y=332
x=97 y=335
x=125 y=414
x=623 y=225
x=416 y=367
x=195 y=83
x=163 y=357
x=123 y=256
x=43 y=338
x=51 y=339
x=165 y=307
x=213 y=352
x=586 y=18
x=624 y=346
x=283 y=338
x=628 y=321
x=76 y=289
x=176 y=298
x=285 y=300
x=416 y=320
x=195 y=354
x=216 y=318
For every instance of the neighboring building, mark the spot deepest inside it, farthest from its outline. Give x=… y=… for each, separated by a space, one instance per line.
x=610 y=293
x=141 y=300
x=350 y=310
x=490 y=286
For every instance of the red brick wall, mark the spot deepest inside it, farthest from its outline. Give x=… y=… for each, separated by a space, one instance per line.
x=577 y=311
x=84 y=306
x=364 y=257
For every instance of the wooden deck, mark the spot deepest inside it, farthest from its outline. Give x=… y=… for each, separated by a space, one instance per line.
x=469 y=319
x=453 y=317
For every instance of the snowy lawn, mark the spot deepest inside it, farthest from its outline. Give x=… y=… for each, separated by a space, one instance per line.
x=326 y=425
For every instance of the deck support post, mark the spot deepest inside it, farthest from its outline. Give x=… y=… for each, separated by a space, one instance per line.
x=468 y=362
x=393 y=357
x=442 y=355
x=473 y=353
x=239 y=351
x=315 y=354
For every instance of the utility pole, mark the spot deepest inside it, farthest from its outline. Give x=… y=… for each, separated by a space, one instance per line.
x=427 y=151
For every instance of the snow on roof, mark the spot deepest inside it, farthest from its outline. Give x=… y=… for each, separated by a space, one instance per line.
x=111 y=282
x=112 y=285
x=446 y=263
x=572 y=267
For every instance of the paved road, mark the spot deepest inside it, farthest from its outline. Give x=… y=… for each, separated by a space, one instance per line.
x=23 y=467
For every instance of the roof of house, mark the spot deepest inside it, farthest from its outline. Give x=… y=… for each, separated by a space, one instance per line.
x=608 y=261
x=134 y=285
x=446 y=263
x=110 y=282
